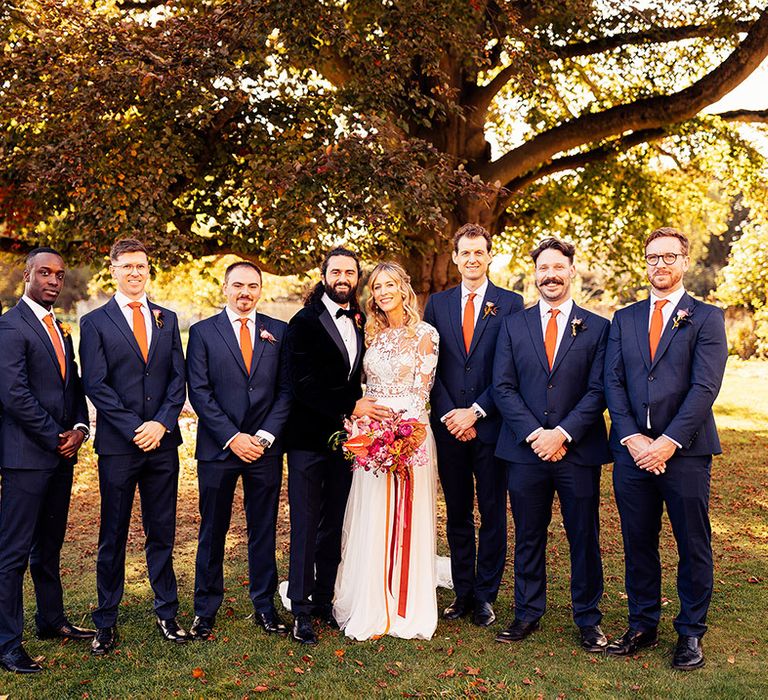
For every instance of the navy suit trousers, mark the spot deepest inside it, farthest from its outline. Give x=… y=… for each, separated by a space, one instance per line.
x=531 y=491
x=261 y=493
x=34 y=504
x=157 y=476
x=641 y=497
x=464 y=466
x=318 y=487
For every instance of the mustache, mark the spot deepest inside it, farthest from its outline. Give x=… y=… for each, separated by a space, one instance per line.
x=551 y=280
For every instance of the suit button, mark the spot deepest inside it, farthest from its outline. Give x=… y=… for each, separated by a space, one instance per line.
x=546 y=413
x=550 y=386
x=149 y=398
x=146 y=374
x=645 y=405
x=650 y=377
x=468 y=369
x=250 y=388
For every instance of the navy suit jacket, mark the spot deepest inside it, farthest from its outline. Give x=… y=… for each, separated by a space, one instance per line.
x=37 y=403
x=678 y=388
x=529 y=395
x=126 y=390
x=228 y=399
x=465 y=378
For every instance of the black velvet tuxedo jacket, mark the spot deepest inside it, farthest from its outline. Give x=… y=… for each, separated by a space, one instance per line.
x=324 y=387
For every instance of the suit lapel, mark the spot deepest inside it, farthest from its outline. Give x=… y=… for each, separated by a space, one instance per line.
x=227 y=333
x=641 y=311
x=113 y=311
x=454 y=314
x=29 y=316
x=327 y=323
x=533 y=320
x=492 y=296
x=258 y=344
x=669 y=330
x=156 y=330
x=567 y=340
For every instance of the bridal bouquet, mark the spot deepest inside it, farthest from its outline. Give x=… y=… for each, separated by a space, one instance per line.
x=386 y=446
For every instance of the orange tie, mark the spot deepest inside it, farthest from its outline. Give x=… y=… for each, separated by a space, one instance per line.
x=245 y=344
x=48 y=320
x=657 y=325
x=468 y=323
x=139 y=329
x=550 y=337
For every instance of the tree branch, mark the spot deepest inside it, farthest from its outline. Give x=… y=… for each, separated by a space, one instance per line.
x=745 y=115
x=648 y=113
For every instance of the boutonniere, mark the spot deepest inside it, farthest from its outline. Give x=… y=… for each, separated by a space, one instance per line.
x=158 y=316
x=577 y=326
x=264 y=334
x=682 y=318
x=359 y=321
x=490 y=309
x=66 y=329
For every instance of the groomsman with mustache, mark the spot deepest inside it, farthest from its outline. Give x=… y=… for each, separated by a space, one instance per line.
x=548 y=382
x=663 y=369
x=237 y=368
x=44 y=423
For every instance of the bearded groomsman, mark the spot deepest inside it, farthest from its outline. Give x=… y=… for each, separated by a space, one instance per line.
x=663 y=369
x=44 y=424
x=237 y=369
x=325 y=345
x=548 y=379
x=466 y=424
x=133 y=371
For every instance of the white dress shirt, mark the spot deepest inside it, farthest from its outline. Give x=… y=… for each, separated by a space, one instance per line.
x=123 y=301
x=41 y=312
x=346 y=328
x=234 y=319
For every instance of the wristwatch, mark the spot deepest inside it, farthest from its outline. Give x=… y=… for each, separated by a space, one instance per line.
x=263 y=442
x=478 y=413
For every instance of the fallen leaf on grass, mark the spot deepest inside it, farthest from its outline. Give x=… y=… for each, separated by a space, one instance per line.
x=298 y=669
x=261 y=689
x=472 y=671
x=448 y=673
x=198 y=673
x=731 y=660
x=339 y=654
x=527 y=681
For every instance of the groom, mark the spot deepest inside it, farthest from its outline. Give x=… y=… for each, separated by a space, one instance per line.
x=325 y=350
x=466 y=424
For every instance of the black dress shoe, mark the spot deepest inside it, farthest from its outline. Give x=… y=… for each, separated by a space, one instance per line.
x=202 y=628
x=592 y=638
x=65 y=631
x=483 y=615
x=461 y=606
x=688 y=653
x=302 y=629
x=517 y=631
x=172 y=631
x=270 y=622
x=18 y=661
x=104 y=641
x=325 y=614
x=632 y=641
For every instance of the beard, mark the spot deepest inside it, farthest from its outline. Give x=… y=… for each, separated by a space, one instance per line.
x=341 y=293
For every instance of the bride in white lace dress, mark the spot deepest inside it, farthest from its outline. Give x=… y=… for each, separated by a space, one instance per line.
x=381 y=587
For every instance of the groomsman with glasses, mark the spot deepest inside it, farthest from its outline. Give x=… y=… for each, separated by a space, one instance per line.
x=44 y=424
x=133 y=371
x=663 y=369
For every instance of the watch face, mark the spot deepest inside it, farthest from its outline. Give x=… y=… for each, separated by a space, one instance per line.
x=264 y=442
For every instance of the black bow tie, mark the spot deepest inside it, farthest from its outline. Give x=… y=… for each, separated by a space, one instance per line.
x=349 y=313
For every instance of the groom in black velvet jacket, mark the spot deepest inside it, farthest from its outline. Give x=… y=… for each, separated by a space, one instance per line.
x=325 y=350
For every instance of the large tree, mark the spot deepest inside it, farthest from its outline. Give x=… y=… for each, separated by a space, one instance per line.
x=272 y=128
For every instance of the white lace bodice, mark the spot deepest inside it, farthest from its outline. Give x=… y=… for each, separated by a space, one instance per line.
x=400 y=364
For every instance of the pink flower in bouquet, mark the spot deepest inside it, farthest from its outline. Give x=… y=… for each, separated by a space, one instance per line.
x=404 y=429
x=388 y=437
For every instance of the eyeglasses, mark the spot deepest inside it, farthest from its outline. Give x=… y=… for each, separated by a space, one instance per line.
x=668 y=258
x=140 y=268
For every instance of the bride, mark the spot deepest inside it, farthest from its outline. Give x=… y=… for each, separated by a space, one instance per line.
x=381 y=586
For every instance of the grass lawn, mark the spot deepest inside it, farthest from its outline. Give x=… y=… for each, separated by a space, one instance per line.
x=461 y=660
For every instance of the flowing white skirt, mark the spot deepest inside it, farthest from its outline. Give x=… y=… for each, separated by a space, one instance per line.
x=365 y=603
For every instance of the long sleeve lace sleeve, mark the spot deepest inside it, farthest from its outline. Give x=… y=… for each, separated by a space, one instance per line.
x=425 y=364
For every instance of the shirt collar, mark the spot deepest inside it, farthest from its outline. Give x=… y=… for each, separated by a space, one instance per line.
x=480 y=291
x=564 y=308
x=38 y=309
x=331 y=305
x=673 y=299
x=123 y=301
x=234 y=317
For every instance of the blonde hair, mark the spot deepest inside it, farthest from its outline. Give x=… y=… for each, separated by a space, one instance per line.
x=376 y=319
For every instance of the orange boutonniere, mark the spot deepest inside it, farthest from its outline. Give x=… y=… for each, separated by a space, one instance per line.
x=66 y=329
x=158 y=316
x=490 y=309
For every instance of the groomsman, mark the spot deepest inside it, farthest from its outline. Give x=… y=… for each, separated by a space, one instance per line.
x=548 y=383
x=133 y=371
x=44 y=423
x=663 y=369
x=237 y=369
x=325 y=346
x=466 y=424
